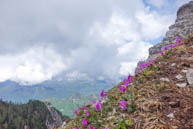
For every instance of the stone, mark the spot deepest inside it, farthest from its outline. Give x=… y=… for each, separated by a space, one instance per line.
x=189 y=76
x=181 y=85
x=171 y=115
x=179 y=77
x=165 y=79
x=184 y=71
x=173 y=64
x=175 y=127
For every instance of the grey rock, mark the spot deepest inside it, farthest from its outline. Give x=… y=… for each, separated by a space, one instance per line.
x=55 y=116
x=171 y=115
x=173 y=64
x=184 y=71
x=179 y=77
x=165 y=79
x=181 y=84
x=189 y=76
x=175 y=127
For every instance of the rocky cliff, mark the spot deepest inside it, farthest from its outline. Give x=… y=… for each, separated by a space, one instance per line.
x=182 y=27
x=56 y=118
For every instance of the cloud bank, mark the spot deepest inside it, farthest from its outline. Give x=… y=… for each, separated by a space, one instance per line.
x=40 y=39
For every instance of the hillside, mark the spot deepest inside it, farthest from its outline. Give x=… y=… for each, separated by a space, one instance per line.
x=67 y=105
x=158 y=97
x=33 y=115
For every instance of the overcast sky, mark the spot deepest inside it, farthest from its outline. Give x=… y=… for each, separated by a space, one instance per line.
x=79 y=39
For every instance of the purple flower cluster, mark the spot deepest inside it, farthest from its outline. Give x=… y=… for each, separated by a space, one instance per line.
x=102 y=94
x=84 y=122
x=76 y=111
x=178 y=43
x=122 y=88
x=123 y=104
x=99 y=105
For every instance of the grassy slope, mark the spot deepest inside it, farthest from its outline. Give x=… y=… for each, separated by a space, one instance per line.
x=150 y=99
x=66 y=106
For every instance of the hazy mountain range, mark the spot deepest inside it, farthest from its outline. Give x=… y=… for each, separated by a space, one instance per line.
x=12 y=91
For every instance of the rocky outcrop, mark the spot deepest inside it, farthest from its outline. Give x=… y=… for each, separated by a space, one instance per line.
x=56 y=118
x=183 y=27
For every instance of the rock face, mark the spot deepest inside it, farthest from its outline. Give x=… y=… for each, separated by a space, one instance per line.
x=57 y=120
x=183 y=27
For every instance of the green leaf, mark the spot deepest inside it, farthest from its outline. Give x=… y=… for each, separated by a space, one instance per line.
x=128 y=122
x=129 y=96
x=122 y=125
x=130 y=109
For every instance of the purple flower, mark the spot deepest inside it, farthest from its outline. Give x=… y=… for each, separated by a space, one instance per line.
x=141 y=67
x=171 y=46
x=125 y=82
x=147 y=64
x=75 y=112
x=122 y=88
x=181 y=42
x=157 y=58
x=129 y=77
x=178 y=39
x=75 y=128
x=92 y=127
x=84 y=107
x=98 y=105
x=161 y=52
x=166 y=48
x=87 y=113
x=123 y=104
x=84 y=122
x=102 y=94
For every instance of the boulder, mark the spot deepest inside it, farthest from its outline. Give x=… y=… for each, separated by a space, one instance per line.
x=189 y=76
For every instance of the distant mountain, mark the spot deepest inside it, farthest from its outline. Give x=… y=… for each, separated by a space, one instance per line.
x=12 y=91
x=33 y=115
x=66 y=106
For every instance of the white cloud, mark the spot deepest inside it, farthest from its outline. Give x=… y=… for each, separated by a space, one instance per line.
x=90 y=39
x=152 y=25
x=127 y=68
x=130 y=36
x=157 y=3
x=75 y=75
x=32 y=66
